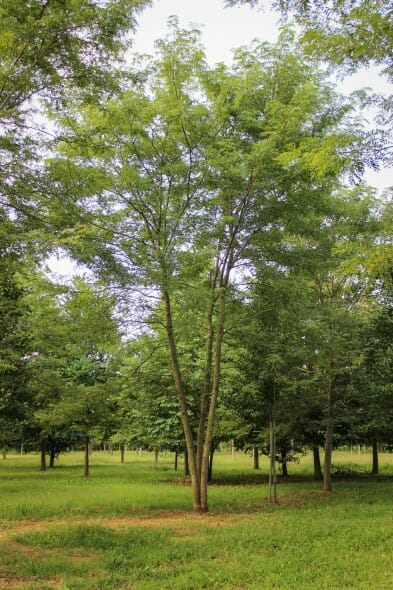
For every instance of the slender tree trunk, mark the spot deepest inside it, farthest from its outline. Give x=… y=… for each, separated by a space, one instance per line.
x=317 y=464
x=176 y=463
x=4 y=452
x=284 y=468
x=327 y=469
x=204 y=405
x=43 y=454
x=86 y=470
x=211 y=464
x=192 y=460
x=52 y=456
x=255 y=454
x=272 y=462
x=186 y=464
x=215 y=389
x=375 y=466
x=155 y=458
x=122 y=452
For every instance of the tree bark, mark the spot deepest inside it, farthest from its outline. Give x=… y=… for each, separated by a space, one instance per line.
x=43 y=454
x=86 y=469
x=192 y=461
x=186 y=465
x=52 y=456
x=4 y=452
x=272 y=463
x=317 y=464
x=122 y=452
x=211 y=464
x=176 y=462
x=284 y=469
x=204 y=405
x=215 y=388
x=327 y=469
x=255 y=453
x=375 y=466
x=155 y=458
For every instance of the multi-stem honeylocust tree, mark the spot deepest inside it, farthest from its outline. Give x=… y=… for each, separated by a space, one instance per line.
x=172 y=180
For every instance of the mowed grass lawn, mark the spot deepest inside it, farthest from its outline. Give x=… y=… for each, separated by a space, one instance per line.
x=129 y=526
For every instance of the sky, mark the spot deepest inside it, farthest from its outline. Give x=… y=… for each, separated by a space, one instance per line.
x=224 y=29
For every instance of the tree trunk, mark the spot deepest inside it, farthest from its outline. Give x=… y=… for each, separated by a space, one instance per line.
x=122 y=451
x=327 y=469
x=199 y=464
x=317 y=464
x=211 y=464
x=86 y=470
x=375 y=467
x=176 y=463
x=43 y=454
x=215 y=389
x=52 y=456
x=4 y=451
x=272 y=462
x=155 y=458
x=186 y=464
x=185 y=420
x=255 y=454
x=285 y=469
x=204 y=405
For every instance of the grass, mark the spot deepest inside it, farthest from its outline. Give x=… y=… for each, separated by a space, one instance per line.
x=129 y=527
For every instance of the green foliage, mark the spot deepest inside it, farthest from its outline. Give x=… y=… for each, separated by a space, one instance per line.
x=75 y=338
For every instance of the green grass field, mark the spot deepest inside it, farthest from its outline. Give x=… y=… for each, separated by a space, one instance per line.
x=130 y=526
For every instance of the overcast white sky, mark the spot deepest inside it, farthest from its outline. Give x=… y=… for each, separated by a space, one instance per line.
x=222 y=28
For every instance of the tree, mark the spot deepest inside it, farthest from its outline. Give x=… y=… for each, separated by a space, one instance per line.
x=331 y=331
x=49 y=46
x=172 y=179
x=14 y=341
x=75 y=338
x=349 y=34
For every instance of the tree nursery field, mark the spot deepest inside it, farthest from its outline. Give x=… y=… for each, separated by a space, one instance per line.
x=129 y=526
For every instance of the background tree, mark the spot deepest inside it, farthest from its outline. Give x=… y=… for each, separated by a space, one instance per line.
x=15 y=398
x=75 y=338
